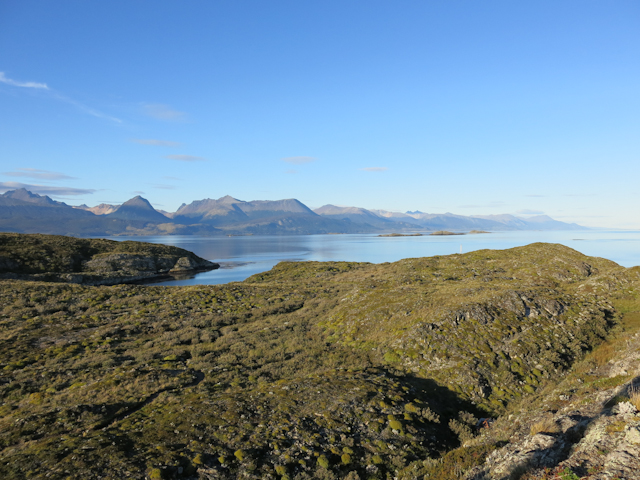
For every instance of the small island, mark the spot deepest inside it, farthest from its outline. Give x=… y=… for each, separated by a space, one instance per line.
x=401 y=235
x=446 y=232
x=439 y=232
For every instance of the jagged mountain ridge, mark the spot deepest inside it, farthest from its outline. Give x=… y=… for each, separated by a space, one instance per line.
x=102 y=209
x=23 y=196
x=24 y=212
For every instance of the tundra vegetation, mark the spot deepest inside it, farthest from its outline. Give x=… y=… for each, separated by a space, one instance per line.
x=311 y=370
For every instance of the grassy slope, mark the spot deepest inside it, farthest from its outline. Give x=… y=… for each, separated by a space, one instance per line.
x=312 y=370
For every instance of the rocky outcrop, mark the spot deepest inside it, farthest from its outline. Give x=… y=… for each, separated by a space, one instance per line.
x=573 y=431
x=93 y=261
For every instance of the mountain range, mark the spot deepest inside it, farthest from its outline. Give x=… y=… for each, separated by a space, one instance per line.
x=25 y=212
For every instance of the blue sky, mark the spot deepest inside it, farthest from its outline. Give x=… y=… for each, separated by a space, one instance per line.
x=460 y=106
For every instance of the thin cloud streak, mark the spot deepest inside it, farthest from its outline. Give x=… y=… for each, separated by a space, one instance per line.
x=185 y=158
x=16 y=83
x=299 y=160
x=160 y=111
x=46 y=189
x=58 y=96
x=38 y=174
x=154 y=142
x=374 y=169
x=82 y=107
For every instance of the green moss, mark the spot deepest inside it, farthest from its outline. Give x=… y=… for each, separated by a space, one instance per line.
x=323 y=461
x=391 y=357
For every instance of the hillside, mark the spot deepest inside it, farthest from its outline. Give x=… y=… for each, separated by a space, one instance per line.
x=312 y=370
x=92 y=261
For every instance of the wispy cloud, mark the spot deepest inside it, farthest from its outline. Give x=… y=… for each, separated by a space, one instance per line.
x=46 y=189
x=299 y=160
x=291 y=172
x=16 y=83
x=137 y=192
x=374 y=169
x=160 y=111
x=526 y=211
x=185 y=158
x=38 y=174
x=163 y=186
x=58 y=96
x=84 y=108
x=154 y=142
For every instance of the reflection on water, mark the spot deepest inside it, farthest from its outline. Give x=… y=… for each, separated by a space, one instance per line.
x=241 y=257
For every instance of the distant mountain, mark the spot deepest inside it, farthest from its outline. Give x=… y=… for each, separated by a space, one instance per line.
x=228 y=210
x=544 y=222
x=223 y=211
x=138 y=209
x=397 y=216
x=22 y=196
x=362 y=216
x=259 y=217
x=102 y=209
x=450 y=221
x=25 y=212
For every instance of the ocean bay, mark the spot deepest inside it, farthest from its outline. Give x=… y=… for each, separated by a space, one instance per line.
x=243 y=256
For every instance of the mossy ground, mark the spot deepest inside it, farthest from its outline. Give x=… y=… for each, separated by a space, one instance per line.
x=312 y=370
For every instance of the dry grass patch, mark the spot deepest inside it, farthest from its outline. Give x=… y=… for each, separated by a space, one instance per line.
x=545 y=425
x=634 y=396
x=604 y=353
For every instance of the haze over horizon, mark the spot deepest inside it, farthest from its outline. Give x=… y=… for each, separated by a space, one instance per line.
x=466 y=107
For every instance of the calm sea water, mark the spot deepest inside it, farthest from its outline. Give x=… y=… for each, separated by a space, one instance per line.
x=241 y=257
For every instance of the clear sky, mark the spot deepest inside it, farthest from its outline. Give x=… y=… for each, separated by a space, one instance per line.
x=470 y=107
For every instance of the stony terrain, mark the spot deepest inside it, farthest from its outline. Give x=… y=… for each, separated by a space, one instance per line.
x=328 y=370
x=92 y=261
x=585 y=426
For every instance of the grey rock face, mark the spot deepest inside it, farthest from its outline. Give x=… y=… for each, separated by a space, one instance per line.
x=127 y=262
